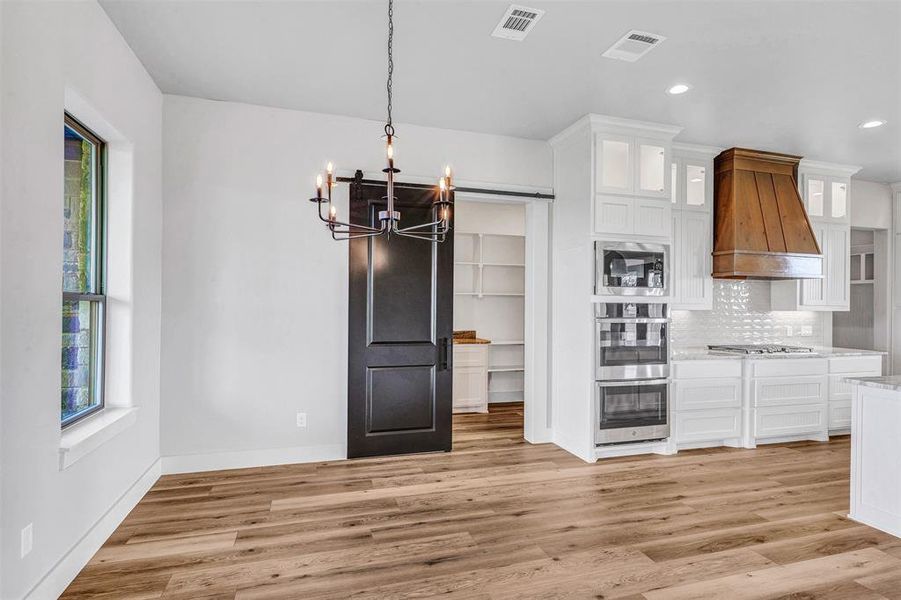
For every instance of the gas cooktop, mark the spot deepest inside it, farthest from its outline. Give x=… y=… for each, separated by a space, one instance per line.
x=760 y=349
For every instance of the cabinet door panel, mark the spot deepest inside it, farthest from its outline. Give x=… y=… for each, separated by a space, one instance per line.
x=695 y=280
x=653 y=217
x=652 y=158
x=839 y=414
x=813 y=291
x=787 y=391
x=838 y=199
x=696 y=185
x=777 y=421
x=675 y=272
x=614 y=163
x=707 y=425
x=838 y=263
x=614 y=214
x=470 y=389
x=707 y=393
x=814 y=192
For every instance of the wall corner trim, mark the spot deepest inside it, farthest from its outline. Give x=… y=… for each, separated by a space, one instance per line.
x=54 y=583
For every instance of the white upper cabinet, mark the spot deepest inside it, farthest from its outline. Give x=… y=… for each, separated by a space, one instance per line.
x=614 y=164
x=652 y=159
x=825 y=196
x=632 y=165
x=691 y=177
x=632 y=177
x=825 y=189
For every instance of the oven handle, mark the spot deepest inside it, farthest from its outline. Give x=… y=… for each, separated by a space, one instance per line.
x=638 y=382
x=633 y=320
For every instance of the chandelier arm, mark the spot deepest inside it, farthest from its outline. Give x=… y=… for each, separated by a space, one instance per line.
x=438 y=235
x=413 y=228
x=352 y=228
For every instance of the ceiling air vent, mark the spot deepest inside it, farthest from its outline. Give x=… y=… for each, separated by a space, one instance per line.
x=517 y=22
x=634 y=45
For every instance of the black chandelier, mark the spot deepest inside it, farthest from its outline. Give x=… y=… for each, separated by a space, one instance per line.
x=434 y=231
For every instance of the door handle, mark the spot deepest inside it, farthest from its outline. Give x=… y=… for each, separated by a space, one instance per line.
x=443 y=351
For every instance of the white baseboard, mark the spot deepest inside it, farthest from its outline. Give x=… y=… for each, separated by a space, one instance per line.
x=63 y=572
x=217 y=461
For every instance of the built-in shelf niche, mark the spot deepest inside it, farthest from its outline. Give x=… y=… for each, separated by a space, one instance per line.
x=863 y=264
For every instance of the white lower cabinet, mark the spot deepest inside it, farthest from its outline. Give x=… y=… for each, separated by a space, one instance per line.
x=711 y=425
x=840 y=392
x=707 y=403
x=788 y=398
x=470 y=378
x=749 y=402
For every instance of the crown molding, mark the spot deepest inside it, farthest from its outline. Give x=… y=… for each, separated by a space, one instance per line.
x=581 y=124
x=828 y=168
x=631 y=126
x=681 y=148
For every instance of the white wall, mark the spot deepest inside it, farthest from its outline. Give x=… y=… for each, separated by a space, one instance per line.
x=54 y=54
x=871 y=205
x=255 y=290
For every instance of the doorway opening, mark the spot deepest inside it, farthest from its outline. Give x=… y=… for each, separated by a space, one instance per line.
x=489 y=362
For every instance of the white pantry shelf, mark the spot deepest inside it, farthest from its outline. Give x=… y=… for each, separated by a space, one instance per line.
x=505 y=368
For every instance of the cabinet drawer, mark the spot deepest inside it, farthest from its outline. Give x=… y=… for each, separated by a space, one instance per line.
x=706 y=369
x=787 y=391
x=777 y=421
x=707 y=394
x=856 y=364
x=840 y=414
x=789 y=367
x=707 y=425
x=470 y=355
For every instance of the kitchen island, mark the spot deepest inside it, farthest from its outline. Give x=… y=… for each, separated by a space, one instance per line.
x=876 y=452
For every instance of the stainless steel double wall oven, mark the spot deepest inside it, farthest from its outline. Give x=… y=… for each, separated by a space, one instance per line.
x=631 y=343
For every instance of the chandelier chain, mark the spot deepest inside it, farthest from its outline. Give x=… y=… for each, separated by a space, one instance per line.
x=389 y=126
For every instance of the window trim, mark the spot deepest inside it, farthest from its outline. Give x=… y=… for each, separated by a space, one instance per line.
x=98 y=296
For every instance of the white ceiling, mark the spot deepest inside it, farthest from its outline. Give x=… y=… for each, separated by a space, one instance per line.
x=794 y=77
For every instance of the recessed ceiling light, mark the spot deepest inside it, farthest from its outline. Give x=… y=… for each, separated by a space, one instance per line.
x=679 y=88
x=872 y=123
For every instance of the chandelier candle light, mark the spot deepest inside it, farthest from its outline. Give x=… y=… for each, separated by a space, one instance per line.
x=434 y=231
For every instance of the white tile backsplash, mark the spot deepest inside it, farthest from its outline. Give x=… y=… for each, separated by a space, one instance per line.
x=741 y=315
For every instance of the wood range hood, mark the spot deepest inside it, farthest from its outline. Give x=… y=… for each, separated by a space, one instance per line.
x=761 y=229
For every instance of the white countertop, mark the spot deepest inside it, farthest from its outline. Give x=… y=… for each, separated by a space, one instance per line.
x=818 y=352
x=886 y=382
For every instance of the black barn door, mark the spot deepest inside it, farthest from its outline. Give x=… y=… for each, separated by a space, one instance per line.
x=400 y=330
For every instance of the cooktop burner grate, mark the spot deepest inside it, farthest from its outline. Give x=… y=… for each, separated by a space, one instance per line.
x=759 y=349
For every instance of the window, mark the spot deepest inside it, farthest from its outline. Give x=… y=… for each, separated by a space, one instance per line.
x=84 y=299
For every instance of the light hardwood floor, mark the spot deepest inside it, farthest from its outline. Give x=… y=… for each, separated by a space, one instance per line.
x=499 y=518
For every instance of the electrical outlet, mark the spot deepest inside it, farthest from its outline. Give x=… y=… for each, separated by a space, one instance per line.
x=789 y=331
x=806 y=331
x=301 y=419
x=27 y=540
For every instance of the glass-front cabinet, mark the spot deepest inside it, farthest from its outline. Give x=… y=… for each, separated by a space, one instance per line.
x=691 y=180
x=825 y=196
x=632 y=165
x=652 y=160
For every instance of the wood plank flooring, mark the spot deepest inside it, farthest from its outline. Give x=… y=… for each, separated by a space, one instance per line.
x=498 y=518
